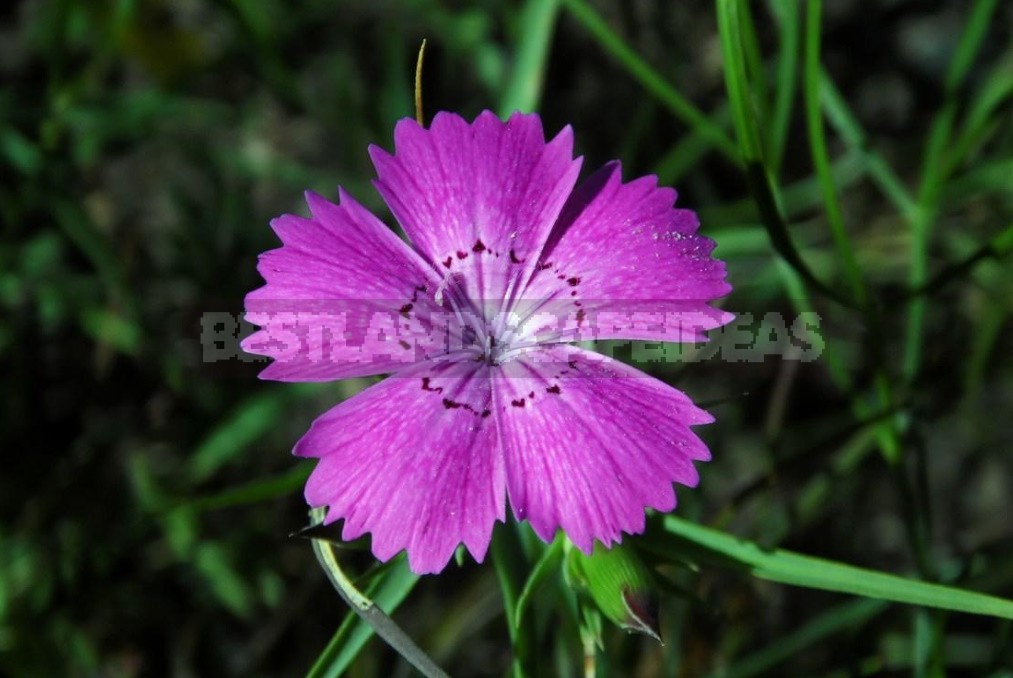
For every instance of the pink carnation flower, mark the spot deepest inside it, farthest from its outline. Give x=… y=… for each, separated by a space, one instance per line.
x=506 y=266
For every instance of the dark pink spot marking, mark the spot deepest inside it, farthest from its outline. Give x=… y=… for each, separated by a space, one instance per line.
x=462 y=254
x=531 y=394
x=448 y=261
x=517 y=403
x=427 y=387
x=580 y=316
x=478 y=247
x=542 y=267
x=485 y=413
x=573 y=293
x=554 y=389
x=514 y=259
x=406 y=309
x=450 y=404
x=573 y=282
x=404 y=344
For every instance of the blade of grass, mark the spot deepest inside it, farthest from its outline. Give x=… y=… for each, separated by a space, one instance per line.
x=250 y=420
x=253 y=492
x=802 y=196
x=787 y=14
x=996 y=248
x=685 y=155
x=511 y=569
x=524 y=87
x=933 y=176
x=744 y=116
x=546 y=565
x=757 y=175
x=978 y=120
x=970 y=42
x=847 y=126
x=651 y=80
x=387 y=590
x=368 y=611
x=821 y=158
x=756 y=73
x=841 y=618
x=719 y=549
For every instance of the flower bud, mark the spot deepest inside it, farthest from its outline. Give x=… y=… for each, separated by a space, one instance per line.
x=620 y=584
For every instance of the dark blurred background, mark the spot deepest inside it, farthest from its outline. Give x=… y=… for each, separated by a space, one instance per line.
x=147 y=494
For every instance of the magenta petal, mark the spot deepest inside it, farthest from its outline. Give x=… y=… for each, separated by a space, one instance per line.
x=589 y=443
x=622 y=263
x=344 y=297
x=478 y=199
x=413 y=461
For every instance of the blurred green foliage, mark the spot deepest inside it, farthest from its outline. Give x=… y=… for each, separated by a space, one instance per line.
x=147 y=494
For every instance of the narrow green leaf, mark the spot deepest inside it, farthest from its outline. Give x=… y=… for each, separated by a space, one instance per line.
x=787 y=14
x=933 y=175
x=847 y=126
x=970 y=42
x=368 y=611
x=979 y=120
x=651 y=79
x=248 y=422
x=760 y=183
x=725 y=550
x=836 y=620
x=387 y=590
x=534 y=32
x=549 y=562
x=686 y=154
x=997 y=248
x=744 y=115
x=255 y=491
x=821 y=158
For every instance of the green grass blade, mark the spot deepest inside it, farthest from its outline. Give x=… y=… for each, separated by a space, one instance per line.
x=550 y=561
x=760 y=183
x=684 y=155
x=744 y=115
x=970 y=43
x=787 y=13
x=847 y=126
x=756 y=73
x=979 y=120
x=524 y=87
x=996 y=248
x=252 y=492
x=933 y=175
x=367 y=610
x=821 y=158
x=841 y=618
x=785 y=567
x=651 y=79
x=387 y=590
x=511 y=567
x=249 y=422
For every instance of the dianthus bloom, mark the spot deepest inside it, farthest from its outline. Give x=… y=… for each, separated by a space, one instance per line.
x=506 y=265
